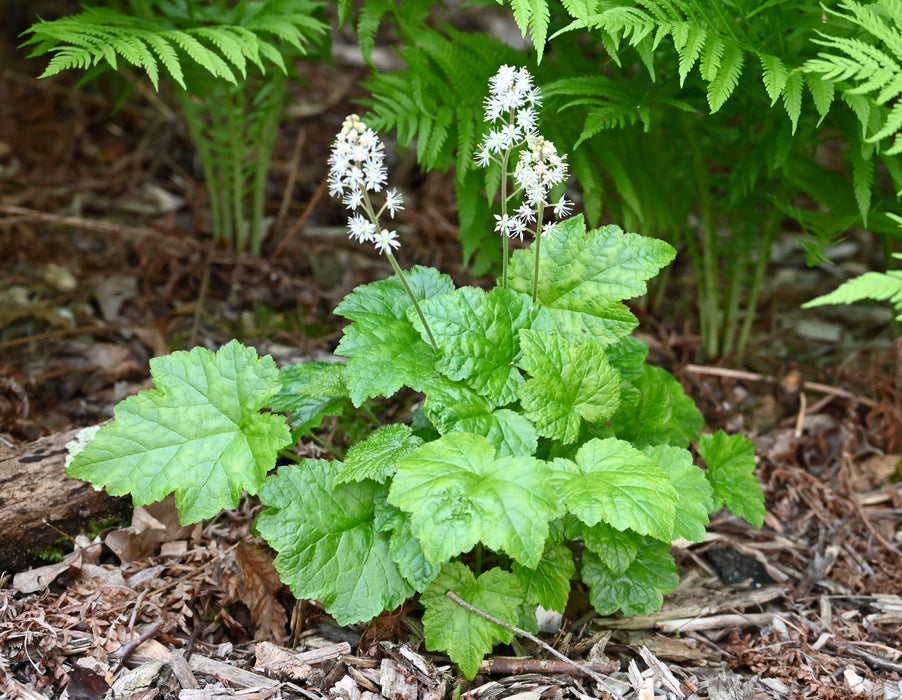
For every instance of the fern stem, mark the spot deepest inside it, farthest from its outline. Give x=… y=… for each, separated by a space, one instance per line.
x=708 y=301
x=771 y=229
x=271 y=94
x=235 y=154
x=737 y=269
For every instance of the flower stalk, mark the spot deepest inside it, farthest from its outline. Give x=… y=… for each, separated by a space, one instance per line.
x=513 y=101
x=356 y=168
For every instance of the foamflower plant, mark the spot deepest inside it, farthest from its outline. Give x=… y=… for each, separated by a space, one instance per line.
x=543 y=451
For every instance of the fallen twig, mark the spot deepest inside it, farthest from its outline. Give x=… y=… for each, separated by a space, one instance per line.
x=756 y=377
x=523 y=633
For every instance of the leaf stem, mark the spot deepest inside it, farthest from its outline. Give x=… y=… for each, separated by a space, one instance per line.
x=367 y=414
x=329 y=446
x=540 y=212
x=531 y=637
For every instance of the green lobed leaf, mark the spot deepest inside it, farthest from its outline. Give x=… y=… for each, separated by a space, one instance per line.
x=464 y=635
x=627 y=356
x=476 y=332
x=311 y=391
x=454 y=407
x=377 y=457
x=640 y=589
x=607 y=322
x=569 y=383
x=458 y=493
x=611 y=481
x=200 y=433
x=662 y=415
x=386 y=352
x=616 y=549
x=404 y=548
x=731 y=471
x=548 y=584
x=584 y=271
x=327 y=541
x=694 y=492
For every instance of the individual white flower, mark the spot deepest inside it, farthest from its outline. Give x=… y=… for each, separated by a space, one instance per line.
x=496 y=141
x=550 y=229
x=503 y=224
x=361 y=229
x=516 y=228
x=526 y=213
x=483 y=157
x=353 y=199
x=393 y=202
x=563 y=207
x=385 y=240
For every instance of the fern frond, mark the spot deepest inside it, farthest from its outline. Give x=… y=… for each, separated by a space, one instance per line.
x=726 y=78
x=774 y=74
x=863 y=178
x=891 y=124
x=792 y=98
x=533 y=16
x=867 y=63
x=100 y=35
x=822 y=92
x=690 y=50
x=711 y=56
x=874 y=286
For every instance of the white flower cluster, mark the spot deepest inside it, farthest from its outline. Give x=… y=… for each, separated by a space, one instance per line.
x=356 y=167
x=540 y=168
x=513 y=100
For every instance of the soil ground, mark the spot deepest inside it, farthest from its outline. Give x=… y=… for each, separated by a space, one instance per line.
x=106 y=262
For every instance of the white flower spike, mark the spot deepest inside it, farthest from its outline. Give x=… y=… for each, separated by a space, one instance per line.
x=356 y=167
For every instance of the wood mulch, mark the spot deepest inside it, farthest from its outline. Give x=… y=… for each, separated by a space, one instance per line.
x=105 y=264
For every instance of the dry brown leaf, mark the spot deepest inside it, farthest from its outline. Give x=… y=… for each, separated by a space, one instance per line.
x=258 y=584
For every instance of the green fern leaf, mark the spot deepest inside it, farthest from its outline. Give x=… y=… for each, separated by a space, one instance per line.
x=727 y=77
x=792 y=98
x=368 y=22
x=774 y=74
x=711 y=56
x=580 y=9
x=860 y=105
x=344 y=10
x=891 y=124
x=690 y=51
x=164 y=51
x=534 y=16
x=891 y=90
x=895 y=150
x=227 y=45
x=822 y=92
x=863 y=178
x=876 y=286
x=273 y=55
x=204 y=57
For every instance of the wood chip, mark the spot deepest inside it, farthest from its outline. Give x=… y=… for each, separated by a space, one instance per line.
x=396 y=682
x=288 y=664
x=230 y=674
